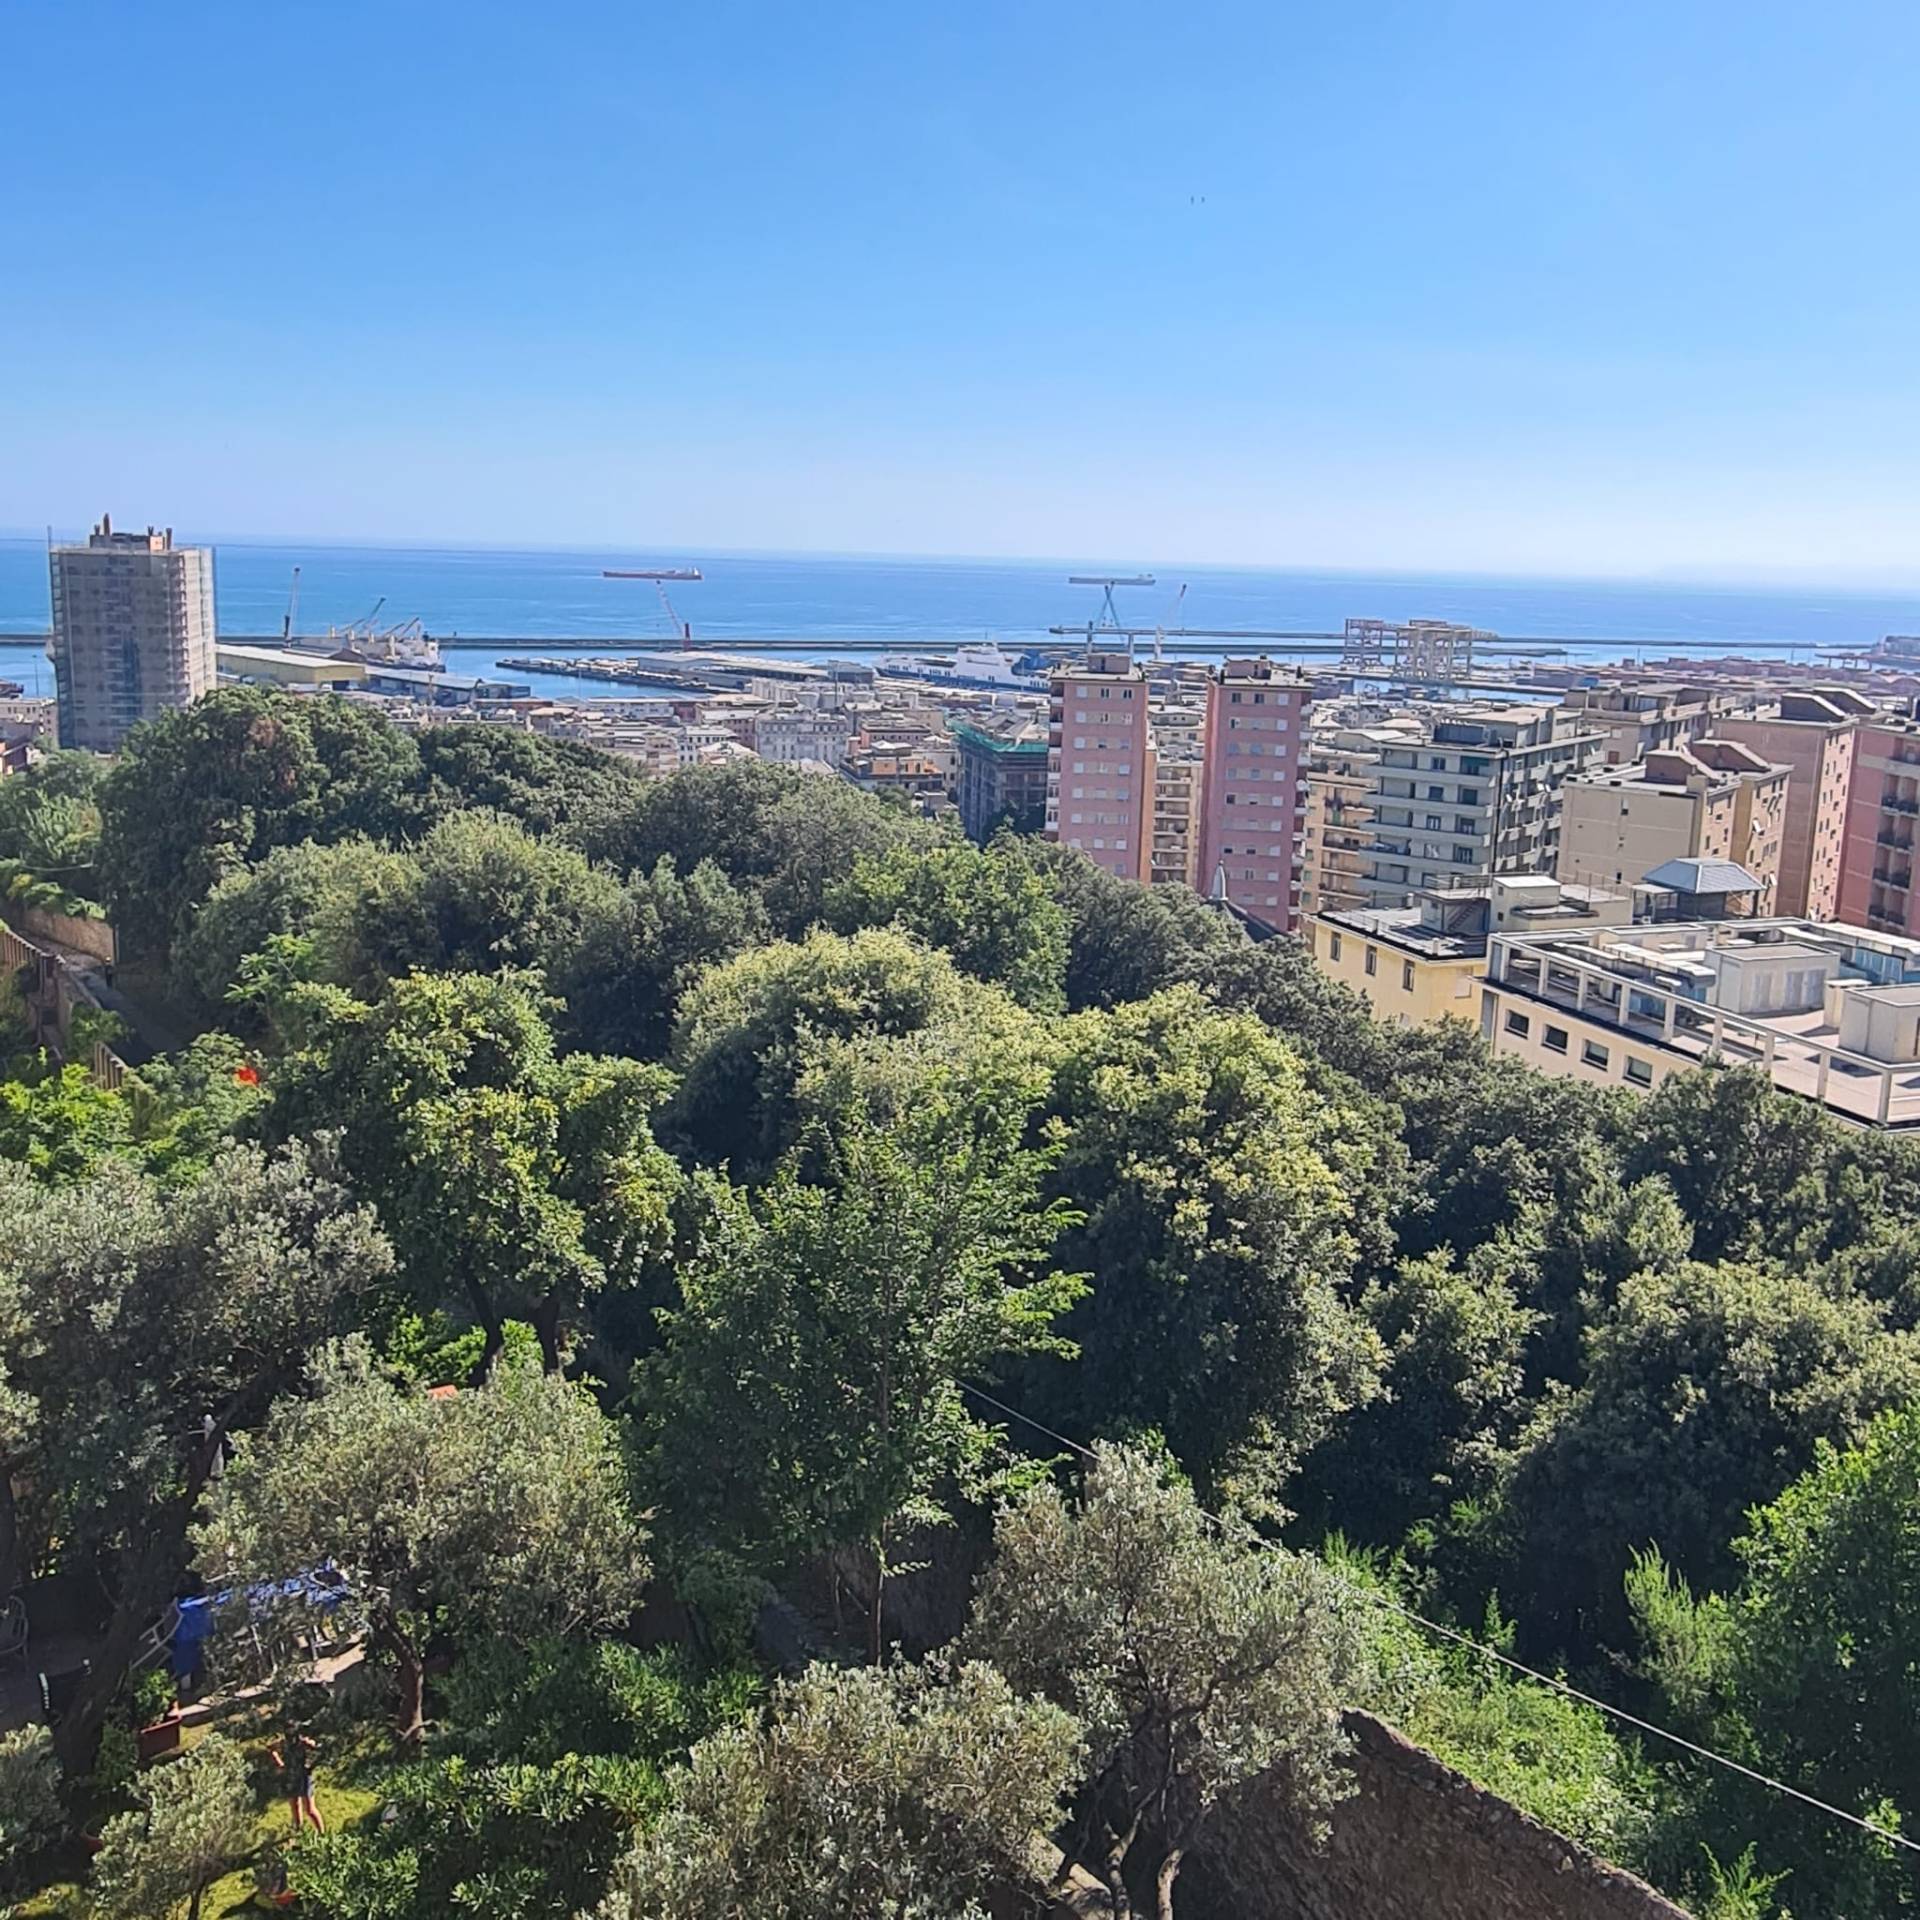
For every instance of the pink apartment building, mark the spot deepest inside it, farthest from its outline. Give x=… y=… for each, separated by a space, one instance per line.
x=1883 y=810
x=1811 y=732
x=1252 y=805
x=1100 y=764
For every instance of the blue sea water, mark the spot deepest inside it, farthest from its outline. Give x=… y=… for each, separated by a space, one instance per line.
x=548 y=594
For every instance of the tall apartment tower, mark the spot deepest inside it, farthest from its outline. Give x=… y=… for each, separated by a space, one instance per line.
x=1251 y=803
x=132 y=632
x=1100 y=774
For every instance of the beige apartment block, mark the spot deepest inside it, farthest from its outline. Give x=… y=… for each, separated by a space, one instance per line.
x=1717 y=800
x=1175 y=849
x=1883 y=812
x=1829 y=1013
x=1422 y=963
x=1337 y=839
x=1647 y=717
x=133 y=633
x=1810 y=731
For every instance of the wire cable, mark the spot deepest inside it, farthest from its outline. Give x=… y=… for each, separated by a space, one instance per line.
x=1507 y=1660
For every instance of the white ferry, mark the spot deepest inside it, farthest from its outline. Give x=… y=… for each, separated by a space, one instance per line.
x=976 y=664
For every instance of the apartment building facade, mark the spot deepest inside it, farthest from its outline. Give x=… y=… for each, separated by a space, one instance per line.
x=1252 y=807
x=1883 y=812
x=1811 y=732
x=1717 y=800
x=1650 y=717
x=1479 y=796
x=133 y=632
x=1174 y=855
x=1100 y=763
x=1000 y=779
x=1337 y=838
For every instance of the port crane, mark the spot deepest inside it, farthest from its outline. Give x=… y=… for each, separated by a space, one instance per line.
x=683 y=630
x=293 y=610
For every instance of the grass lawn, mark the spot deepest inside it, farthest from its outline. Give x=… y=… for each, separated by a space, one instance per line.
x=342 y=1800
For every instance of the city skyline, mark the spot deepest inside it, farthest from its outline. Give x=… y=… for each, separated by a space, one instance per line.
x=1476 y=291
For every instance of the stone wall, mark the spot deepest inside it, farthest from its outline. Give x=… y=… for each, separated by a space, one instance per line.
x=92 y=937
x=1415 y=1841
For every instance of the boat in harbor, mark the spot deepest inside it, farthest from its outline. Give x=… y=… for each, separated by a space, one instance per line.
x=979 y=663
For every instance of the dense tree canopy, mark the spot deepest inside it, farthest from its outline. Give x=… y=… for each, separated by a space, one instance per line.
x=742 y=1131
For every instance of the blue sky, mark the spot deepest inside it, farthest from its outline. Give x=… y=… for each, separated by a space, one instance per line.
x=1620 y=289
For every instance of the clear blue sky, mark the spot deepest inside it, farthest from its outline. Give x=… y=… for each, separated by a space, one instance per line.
x=1531 y=286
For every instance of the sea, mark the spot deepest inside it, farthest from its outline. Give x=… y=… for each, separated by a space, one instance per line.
x=505 y=601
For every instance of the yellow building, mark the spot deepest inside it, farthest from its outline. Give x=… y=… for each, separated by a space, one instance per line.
x=1424 y=962
x=287 y=667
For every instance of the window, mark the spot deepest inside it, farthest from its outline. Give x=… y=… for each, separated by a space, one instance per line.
x=1436 y=793
x=1435 y=823
x=1333 y=946
x=1518 y=1024
x=1593 y=1054
x=1469 y=796
x=1406 y=976
x=1437 y=762
x=1554 y=1039
x=1639 y=1072
x=1373 y=959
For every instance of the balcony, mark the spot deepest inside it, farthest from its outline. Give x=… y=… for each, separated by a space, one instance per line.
x=1897 y=877
x=1894 y=838
x=1907 y=807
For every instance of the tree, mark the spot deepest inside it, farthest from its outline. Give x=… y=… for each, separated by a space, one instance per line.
x=357 y=908
x=1218 y=1199
x=201 y=792
x=512 y=1182
x=1195 y=1657
x=989 y=910
x=876 y=1794
x=498 y=1510
x=1452 y=1401
x=747 y=1030
x=807 y=1390
x=1806 y=1668
x=157 y=1324
x=30 y=1810
x=50 y=818
x=1126 y=941
x=624 y=983
x=552 y=1755
x=194 y=1819
x=1707 y=1390
x=1749 y=1165
x=60 y=1125
x=785 y=835
x=548 y=786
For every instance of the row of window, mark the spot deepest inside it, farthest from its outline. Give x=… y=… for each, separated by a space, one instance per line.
x=1592 y=1053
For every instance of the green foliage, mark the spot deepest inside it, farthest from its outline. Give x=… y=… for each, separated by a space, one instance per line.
x=30 y=1810
x=624 y=982
x=807 y=1390
x=548 y=786
x=1453 y=1399
x=200 y=793
x=990 y=911
x=197 y=1304
x=50 y=819
x=61 y=1125
x=500 y=1510
x=1806 y=1669
x=1706 y=1390
x=553 y=1756
x=194 y=1818
x=748 y=1029
x=1217 y=1194
x=882 y=1794
x=1194 y=1657
x=513 y=1183
x=783 y=835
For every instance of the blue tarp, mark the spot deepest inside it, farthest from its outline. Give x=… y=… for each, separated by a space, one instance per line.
x=323 y=1588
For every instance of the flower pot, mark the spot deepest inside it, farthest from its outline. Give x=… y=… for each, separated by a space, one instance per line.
x=163 y=1736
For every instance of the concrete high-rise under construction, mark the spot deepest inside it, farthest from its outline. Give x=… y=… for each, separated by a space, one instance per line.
x=133 y=632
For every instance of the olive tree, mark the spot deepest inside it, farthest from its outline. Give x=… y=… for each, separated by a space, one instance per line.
x=500 y=1509
x=1196 y=1657
x=869 y=1794
x=193 y=1820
